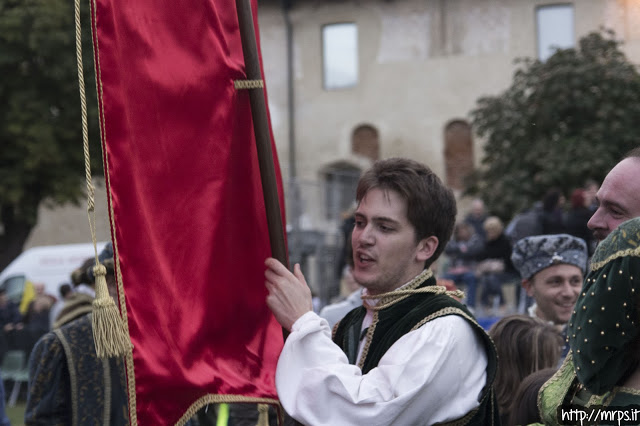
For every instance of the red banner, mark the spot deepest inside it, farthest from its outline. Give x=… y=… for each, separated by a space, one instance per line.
x=186 y=205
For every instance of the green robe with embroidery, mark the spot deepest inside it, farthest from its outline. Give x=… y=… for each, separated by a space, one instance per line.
x=564 y=390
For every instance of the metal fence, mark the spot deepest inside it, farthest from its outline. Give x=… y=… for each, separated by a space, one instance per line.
x=315 y=211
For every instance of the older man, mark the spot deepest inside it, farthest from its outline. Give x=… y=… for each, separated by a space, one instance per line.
x=618 y=198
x=601 y=375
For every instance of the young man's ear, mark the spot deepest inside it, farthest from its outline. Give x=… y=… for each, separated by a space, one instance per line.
x=426 y=248
x=527 y=284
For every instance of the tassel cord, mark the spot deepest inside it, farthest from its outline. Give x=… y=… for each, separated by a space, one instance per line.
x=109 y=333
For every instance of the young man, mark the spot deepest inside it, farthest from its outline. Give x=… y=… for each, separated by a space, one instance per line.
x=411 y=355
x=618 y=198
x=552 y=268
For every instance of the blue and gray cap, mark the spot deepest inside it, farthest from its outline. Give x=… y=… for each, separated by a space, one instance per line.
x=532 y=254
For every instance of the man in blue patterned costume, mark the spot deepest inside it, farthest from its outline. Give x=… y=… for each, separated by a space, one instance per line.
x=68 y=383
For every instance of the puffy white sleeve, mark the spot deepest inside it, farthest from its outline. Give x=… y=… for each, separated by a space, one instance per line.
x=432 y=374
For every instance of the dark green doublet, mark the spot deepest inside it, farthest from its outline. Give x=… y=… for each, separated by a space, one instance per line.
x=405 y=315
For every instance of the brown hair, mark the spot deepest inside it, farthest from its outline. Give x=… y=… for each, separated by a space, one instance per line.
x=524 y=410
x=524 y=345
x=431 y=206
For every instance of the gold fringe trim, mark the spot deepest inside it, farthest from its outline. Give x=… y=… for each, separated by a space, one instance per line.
x=109 y=335
x=248 y=84
x=621 y=253
x=226 y=399
x=444 y=312
x=130 y=374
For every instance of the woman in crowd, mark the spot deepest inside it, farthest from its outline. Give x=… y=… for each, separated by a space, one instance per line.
x=524 y=345
x=494 y=267
x=524 y=410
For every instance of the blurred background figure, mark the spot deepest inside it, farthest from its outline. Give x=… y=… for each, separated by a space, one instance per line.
x=476 y=217
x=524 y=346
x=10 y=318
x=590 y=190
x=461 y=251
x=494 y=268
x=524 y=410
x=578 y=216
x=36 y=319
x=337 y=310
x=66 y=292
x=552 y=212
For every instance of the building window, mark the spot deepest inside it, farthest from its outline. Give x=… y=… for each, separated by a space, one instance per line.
x=555 y=29
x=365 y=142
x=340 y=55
x=458 y=153
x=341 y=181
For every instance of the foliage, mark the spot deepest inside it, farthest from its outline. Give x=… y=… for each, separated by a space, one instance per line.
x=40 y=128
x=561 y=122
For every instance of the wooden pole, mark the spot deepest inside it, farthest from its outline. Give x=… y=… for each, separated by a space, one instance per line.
x=263 y=135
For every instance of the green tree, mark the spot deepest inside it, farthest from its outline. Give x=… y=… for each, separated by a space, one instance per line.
x=41 y=155
x=560 y=123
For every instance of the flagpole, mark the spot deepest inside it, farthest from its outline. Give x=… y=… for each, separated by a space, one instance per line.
x=262 y=132
x=263 y=136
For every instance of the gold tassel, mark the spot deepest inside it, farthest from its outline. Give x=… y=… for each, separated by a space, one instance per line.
x=263 y=417
x=109 y=335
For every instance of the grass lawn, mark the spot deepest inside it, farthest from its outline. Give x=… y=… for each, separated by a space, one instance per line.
x=16 y=414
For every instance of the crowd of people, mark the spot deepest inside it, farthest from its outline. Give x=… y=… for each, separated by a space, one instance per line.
x=405 y=347
x=478 y=256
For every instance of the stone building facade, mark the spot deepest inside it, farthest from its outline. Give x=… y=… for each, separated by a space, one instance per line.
x=351 y=81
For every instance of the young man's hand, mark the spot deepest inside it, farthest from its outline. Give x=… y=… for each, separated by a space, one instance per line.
x=289 y=295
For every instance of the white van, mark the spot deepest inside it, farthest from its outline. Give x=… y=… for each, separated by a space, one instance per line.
x=49 y=265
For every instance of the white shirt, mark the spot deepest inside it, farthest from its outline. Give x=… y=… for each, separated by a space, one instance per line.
x=336 y=311
x=431 y=374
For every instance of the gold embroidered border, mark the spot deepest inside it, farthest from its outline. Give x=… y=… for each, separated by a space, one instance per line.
x=248 y=84
x=220 y=399
x=621 y=253
x=72 y=376
x=367 y=343
x=631 y=391
x=449 y=311
x=553 y=379
x=444 y=312
x=130 y=373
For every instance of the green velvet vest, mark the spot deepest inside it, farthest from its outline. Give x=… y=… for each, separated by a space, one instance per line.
x=408 y=314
